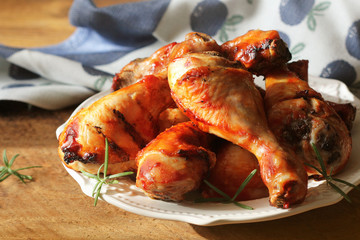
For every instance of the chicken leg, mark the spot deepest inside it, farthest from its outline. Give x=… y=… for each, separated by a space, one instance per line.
x=127 y=117
x=299 y=117
x=223 y=100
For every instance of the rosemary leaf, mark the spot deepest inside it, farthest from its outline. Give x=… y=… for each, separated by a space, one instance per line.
x=18 y=169
x=328 y=177
x=95 y=188
x=5 y=177
x=226 y=199
x=312 y=166
x=243 y=206
x=5 y=159
x=89 y=174
x=341 y=192
x=217 y=190
x=104 y=179
x=120 y=174
x=321 y=161
x=244 y=183
x=13 y=159
x=6 y=171
x=346 y=183
x=106 y=157
x=99 y=170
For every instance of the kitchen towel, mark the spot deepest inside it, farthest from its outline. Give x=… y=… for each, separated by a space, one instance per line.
x=327 y=33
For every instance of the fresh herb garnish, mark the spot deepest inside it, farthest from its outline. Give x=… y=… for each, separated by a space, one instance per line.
x=6 y=171
x=226 y=198
x=104 y=179
x=328 y=177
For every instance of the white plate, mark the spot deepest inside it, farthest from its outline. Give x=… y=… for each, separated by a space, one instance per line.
x=127 y=196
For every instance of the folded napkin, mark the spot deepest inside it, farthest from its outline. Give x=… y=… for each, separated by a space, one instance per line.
x=327 y=33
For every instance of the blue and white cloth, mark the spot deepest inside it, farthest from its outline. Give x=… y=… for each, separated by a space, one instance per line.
x=325 y=32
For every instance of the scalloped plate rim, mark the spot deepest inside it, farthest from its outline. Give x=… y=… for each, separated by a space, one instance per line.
x=140 y=204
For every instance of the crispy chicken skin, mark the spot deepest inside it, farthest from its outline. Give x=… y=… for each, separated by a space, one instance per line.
x=174 y=163
x=127 y=117
x=233 y=165
x=223 y=100
x=299 y=116
x=257 y=50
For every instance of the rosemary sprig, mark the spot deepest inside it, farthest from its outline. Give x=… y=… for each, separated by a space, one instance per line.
x=6 y=171
x=328 y=177
x=226 y=198
x=104 y=179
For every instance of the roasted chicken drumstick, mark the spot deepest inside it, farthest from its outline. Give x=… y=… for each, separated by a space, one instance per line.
x=299 y=117
x=223 y=100
x=175 y=162
x=297 y=114
x=127 y=117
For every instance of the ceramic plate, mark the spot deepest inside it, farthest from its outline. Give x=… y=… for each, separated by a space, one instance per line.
x=127 y=196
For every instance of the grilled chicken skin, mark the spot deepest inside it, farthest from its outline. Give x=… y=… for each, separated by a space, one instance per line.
x=223 y=100
x=174 y=163
x=299 y=117
x=257 y=50
x=127 y=117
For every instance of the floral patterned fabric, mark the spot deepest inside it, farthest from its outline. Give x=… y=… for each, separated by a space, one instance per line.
x=325 y=32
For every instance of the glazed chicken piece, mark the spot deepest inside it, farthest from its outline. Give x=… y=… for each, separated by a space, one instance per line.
x=158 y=62
x=128 y=118
x=223 y=100
x=233 y=165
x=299 y=116
x=257 y=50
x=174 y=163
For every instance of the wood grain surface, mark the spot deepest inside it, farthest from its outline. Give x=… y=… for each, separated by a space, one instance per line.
x=54 y=207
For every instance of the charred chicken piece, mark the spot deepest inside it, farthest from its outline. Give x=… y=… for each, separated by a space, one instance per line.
x=299 y=116
x=128 y=118
x=174 y=163
x=223 y=100
x=257 y=50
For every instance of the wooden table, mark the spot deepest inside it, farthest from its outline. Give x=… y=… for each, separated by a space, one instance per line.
x=53 y=206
